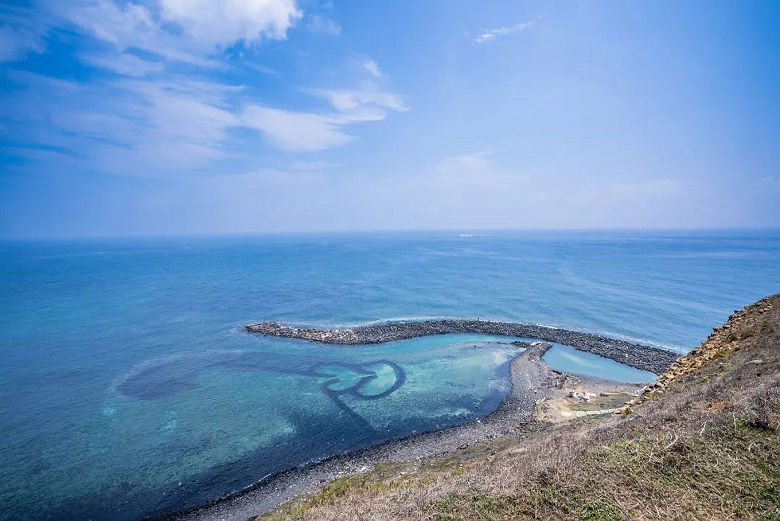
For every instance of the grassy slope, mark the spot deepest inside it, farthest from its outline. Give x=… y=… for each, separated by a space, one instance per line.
x=703 y=444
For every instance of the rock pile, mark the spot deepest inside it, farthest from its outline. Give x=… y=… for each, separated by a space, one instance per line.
x=640 y=356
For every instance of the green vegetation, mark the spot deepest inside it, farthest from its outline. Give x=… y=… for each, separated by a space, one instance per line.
x=731 y=472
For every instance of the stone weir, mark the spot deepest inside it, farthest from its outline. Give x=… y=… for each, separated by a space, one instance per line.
x=653 y=359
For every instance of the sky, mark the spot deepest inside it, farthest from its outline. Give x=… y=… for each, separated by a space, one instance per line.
x=165 y=117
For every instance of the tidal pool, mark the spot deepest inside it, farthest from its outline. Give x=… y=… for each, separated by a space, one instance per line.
x=179 y=431
x=570 y=360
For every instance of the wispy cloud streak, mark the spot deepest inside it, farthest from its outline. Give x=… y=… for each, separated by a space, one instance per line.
x=492 y=34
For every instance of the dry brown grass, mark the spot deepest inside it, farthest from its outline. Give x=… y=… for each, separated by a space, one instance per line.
x=704 y=446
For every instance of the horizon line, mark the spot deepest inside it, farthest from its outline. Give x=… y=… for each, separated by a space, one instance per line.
x=332 y=232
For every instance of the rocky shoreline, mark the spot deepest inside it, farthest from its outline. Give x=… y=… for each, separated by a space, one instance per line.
x=532 y=381
x=648 y=358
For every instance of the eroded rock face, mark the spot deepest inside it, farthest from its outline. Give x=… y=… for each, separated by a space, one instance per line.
x=640 y=356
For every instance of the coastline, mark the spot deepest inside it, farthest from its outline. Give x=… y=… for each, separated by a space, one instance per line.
x=639 y=356
x=701 y=443
x=531 y=381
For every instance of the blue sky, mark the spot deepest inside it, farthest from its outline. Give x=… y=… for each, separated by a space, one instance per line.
x=193 y=116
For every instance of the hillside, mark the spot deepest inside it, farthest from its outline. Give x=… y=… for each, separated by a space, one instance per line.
x=702 y=443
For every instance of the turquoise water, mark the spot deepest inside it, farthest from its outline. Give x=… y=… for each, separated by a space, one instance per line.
x=129 y=388
x=569 y=360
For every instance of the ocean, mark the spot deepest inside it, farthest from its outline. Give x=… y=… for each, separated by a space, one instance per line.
x=130 y=389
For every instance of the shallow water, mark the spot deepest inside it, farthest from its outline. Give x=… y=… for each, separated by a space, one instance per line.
x=570 y=360
x=128 y=387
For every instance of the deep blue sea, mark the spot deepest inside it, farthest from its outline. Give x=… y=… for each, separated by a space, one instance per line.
x=128 y=387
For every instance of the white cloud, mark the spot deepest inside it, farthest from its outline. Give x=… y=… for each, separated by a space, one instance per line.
x=186 y=115
x=126 y=127
x=223 y=22
x=124 y=64
x=15 y=43
x=180 y=30
x=20 y=33
x=164 y=124
x=309 y=131
x=259 y=67
x=321 y=24
x=372 y=67
x=295 y=131
x=492 y=34
x=154 y=119
x=131 y=26
x=160 y=127
x=357 y=101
